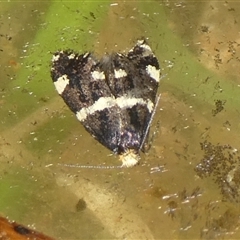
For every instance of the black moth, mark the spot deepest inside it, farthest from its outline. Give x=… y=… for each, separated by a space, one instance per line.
x=114 y=98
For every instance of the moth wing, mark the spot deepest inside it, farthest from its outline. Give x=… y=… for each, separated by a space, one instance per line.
x=134 y=79
x=82 y=85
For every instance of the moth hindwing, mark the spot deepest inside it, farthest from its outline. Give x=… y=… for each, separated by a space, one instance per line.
x=114 y=98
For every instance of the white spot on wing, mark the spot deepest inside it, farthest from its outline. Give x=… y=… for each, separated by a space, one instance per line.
x=153 y=72
x=108 y=102
x=145 y=46
x=99 y=105
x=120 y=73
x=61 y=83
x=98 y=75
x=140 y=42
x=86 y=55
x=71 y=56
x=128 y=102
x=55 y=58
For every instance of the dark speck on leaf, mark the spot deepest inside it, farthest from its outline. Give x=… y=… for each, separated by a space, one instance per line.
x=92 y=15
x=219 y=106
x=81 y=205
x=21 y=230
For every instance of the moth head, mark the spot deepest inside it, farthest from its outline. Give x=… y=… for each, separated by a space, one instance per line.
x=129 y=158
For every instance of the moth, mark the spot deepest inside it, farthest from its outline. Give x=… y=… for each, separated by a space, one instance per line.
x=114 y=97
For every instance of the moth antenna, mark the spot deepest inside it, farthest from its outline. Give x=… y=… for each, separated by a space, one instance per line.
x=150 y=121
x=89 y=166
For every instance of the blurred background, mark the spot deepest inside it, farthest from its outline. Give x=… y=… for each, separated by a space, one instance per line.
x=187 y=184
